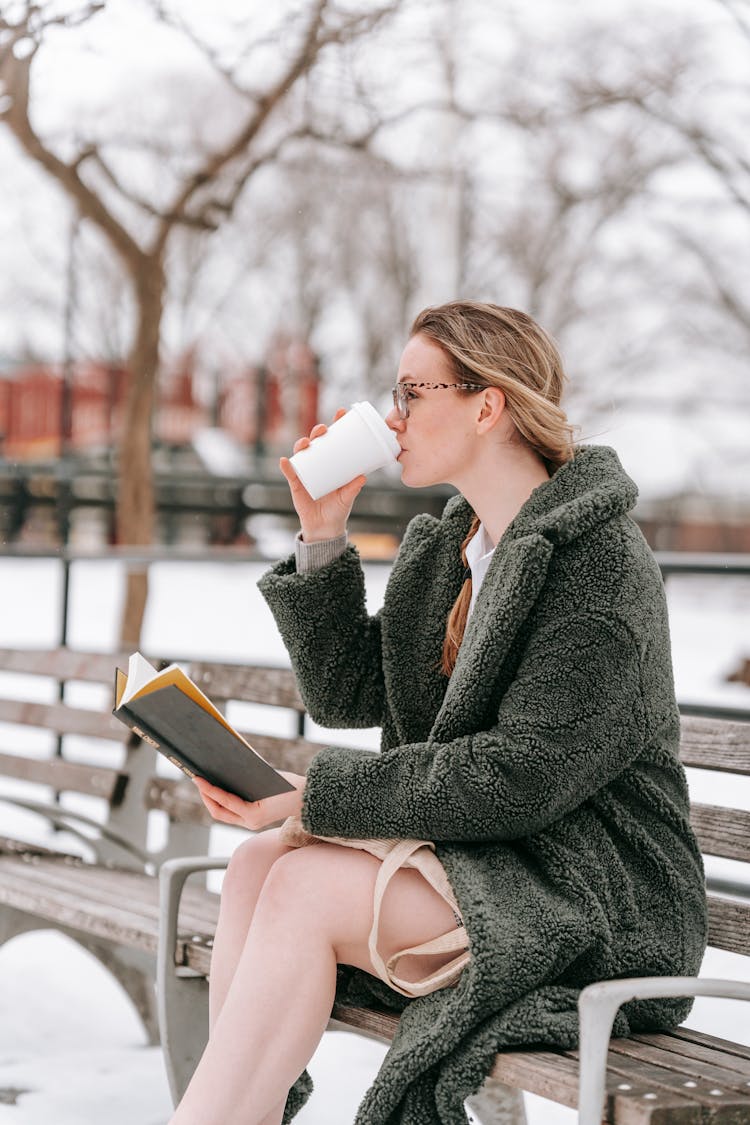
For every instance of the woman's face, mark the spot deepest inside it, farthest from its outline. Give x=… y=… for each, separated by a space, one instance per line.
x=439 y=437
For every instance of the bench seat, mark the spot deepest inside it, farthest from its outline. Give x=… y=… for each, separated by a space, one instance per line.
x=117 y=905
x=647 y=1074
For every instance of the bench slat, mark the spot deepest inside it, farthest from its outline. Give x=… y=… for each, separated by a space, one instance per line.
x=729 y=924
x=198 y=958
x=117 y=887
x=722 y=832
x=45 y=892
x=63 y=776
x=63 y=719
x=255 y=683
x=200 y=908
x=715 y=744
x=700 y=1054
x=63 y=664
x=554 y=1075
x=643 y=1069
x=702 y=1039
x=67 y=909
x=643 y=1091
x=293 y=754
x=713 y=1073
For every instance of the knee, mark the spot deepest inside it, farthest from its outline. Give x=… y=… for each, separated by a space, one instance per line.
x=323 y=884
x=251 y=862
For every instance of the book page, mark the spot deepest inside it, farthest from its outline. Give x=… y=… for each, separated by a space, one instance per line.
x=140 y=673
x=174 y=675
x=143 y=679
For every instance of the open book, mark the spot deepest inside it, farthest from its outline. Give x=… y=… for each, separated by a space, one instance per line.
x=167 y=710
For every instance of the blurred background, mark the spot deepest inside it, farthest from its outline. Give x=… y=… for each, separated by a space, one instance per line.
x=217 y=223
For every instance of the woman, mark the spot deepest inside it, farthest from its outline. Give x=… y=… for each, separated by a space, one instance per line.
x=520 y=671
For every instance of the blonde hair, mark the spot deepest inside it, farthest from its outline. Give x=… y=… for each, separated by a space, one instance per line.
x=504 y=348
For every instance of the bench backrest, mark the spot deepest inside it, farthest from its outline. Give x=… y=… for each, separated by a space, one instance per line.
x=93 y=754
x=132 y=788
x=722 y=745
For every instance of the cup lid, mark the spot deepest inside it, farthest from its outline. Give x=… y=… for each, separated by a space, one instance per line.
x=378 y=427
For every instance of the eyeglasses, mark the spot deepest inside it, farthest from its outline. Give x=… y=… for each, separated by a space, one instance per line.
x=403 y=392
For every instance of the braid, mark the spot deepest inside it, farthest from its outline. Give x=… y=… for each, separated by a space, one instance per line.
x=459 y=614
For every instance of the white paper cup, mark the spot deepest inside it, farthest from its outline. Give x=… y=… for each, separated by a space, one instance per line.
x=357 y=444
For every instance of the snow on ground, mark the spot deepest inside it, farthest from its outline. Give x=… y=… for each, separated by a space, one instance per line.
x=71 y=1048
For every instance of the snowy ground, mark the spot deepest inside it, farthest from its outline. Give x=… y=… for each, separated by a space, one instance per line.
x=71 y=1049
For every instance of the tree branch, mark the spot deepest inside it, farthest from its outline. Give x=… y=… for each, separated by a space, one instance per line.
x=15 y=77
x=740 y=18
x=315 y=39
x=727 y=298
x=92 y=153
x=724 y=166
x=213 y=165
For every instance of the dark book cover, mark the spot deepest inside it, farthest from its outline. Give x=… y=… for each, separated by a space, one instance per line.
x=194 y=740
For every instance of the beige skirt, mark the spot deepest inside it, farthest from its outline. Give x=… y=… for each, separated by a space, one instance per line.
x=393 y=855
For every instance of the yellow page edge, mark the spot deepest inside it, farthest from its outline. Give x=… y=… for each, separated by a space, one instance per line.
x=179 y=679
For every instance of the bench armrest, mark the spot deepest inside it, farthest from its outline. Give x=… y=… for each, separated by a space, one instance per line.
x=181 y=996
x=173 y=874
x=597 y=1007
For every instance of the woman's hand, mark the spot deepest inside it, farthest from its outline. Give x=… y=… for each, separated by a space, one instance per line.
x=325 y=518
x=230 y=809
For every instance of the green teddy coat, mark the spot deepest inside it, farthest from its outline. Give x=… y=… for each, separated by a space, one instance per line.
x=545 y=769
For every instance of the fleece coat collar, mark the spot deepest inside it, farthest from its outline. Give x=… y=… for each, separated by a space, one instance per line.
x=581 y=496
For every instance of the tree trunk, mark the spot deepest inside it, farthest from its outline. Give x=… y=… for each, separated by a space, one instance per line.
x=135 y=514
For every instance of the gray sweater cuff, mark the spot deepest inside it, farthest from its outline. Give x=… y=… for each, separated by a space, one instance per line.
x=313 y=556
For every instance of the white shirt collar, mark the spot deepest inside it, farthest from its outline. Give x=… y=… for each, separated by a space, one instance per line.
x=480 y=546
x=479 y=556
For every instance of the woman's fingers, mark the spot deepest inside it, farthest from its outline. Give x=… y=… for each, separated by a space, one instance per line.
x=287 y=468
x=346 y=494
x=349 y=492
x=317 y=431
x=227 y=800
x=303 y=442
x=224 y=806
x=218 y=812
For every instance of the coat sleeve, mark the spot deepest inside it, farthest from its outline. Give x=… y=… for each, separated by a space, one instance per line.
x=333 y=644
x=571 y=721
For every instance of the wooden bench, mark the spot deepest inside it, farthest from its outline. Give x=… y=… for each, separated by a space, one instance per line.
x=111 y=905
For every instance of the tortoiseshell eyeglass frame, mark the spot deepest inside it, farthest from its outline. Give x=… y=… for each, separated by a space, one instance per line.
x=401 y=402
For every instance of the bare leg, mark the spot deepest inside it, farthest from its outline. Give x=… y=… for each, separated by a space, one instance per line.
x=276 y=1116
x=315 y=909
x=241 y=887
x=243 y=882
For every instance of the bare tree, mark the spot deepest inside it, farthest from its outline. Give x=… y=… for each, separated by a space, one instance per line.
x=573 y=182
x=204 y=194
x=695 y=113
